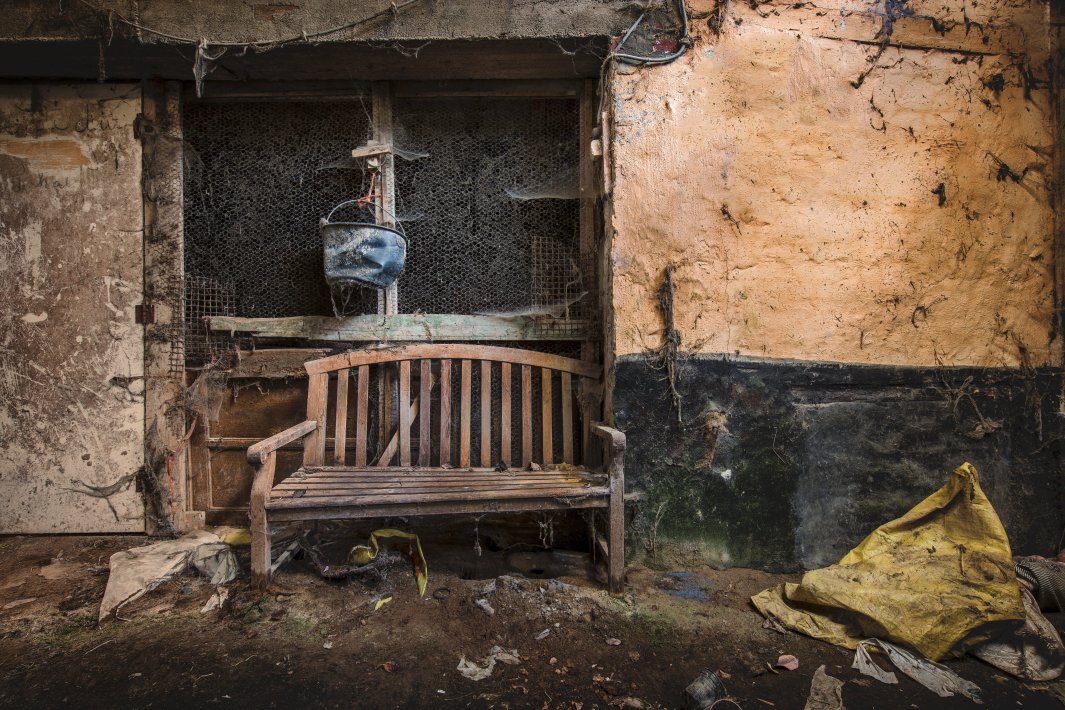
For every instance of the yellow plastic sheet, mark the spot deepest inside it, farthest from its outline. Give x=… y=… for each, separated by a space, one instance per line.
x=939 y=579
x=363 y=554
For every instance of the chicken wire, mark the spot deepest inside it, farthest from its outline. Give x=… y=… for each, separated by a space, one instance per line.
x=486 y=192
x=487 y=195
x=258 y=177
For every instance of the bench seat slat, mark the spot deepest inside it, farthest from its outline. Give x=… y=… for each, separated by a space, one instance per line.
x=435 y=507
x=414 y=478
x=396 y=488
x=438 y=495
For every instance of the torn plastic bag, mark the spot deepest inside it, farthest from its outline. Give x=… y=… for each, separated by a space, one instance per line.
x=1034 y=652
x=216 y=561
x=939 y=679
x=141 y=569
x=939 y=579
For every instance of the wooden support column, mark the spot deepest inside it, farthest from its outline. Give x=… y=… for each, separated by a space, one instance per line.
x=589 y=399
x=386 y=186
x=159 y=130
x=387 y=299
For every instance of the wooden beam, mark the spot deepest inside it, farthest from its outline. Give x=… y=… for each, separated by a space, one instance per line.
x=388 y=302
x=554 y=88
x=453 y=351
x=160 y=132
x=279 y=363
x=409 y=327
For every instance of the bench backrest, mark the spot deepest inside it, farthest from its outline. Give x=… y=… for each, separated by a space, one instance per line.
x=523 y=413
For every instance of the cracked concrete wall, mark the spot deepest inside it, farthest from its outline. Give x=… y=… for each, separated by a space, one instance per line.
x=256 y=21
x=847 y=182
x=71 y=355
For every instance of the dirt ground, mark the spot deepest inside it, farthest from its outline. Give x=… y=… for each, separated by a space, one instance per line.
x=317 y=643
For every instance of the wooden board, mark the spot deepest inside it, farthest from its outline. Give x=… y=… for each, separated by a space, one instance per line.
x=460 y=351
x=405 y=327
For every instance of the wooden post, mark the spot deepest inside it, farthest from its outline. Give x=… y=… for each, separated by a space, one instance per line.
x=386 y=186
x=588 y=402
x=260 y=528
x=387 y=299
x=159 y=129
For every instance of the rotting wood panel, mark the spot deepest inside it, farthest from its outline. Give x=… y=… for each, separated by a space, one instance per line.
x=251 y=409
x=71 y=367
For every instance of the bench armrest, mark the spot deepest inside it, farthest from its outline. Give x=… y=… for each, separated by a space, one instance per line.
x=615 y=448
x=257 y=452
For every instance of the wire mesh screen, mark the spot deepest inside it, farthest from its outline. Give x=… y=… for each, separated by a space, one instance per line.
x=486 y=190
x=258 y=177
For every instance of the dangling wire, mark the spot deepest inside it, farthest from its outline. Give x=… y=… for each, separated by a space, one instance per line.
x=684 y=41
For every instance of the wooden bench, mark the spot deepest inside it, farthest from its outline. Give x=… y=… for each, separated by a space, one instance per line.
x=519 y=466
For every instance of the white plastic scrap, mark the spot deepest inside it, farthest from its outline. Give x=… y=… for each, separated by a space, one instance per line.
x=826 y=692
x=142 y=569
x=475 y=670
x=939 y=679
x=216 y=561
x=216 y=600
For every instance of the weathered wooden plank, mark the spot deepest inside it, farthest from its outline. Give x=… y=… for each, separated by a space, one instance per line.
x=257 y=450
x=241 y=443
x=320 y=472
x=385 y=204
x=560 y=492
x=456 y=476
x=278 y=363
x=526 y=415
x=406 y=327
x=486 y=413
x=317 y=399
x=465 y=415
x=404 y=413
x=590 y=168
x=340 y=435
x=406 y=488
x=555 y=88
x=504 y=414
x=456 y=351
x=362 y=414
x=546 y=396
x=437 y=508
x=260 y=529
x=393 y=445
x=424 y=421
x=445 y=412
x=567 y=418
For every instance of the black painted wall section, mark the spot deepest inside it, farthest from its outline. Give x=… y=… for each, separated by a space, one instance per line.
x=783 y=465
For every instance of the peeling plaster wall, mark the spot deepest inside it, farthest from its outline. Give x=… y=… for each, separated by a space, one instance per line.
x=791 y=168
x=71 y=356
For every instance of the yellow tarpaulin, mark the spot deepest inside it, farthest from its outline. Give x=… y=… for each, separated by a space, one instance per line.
x=939 y=579
x=363 y=554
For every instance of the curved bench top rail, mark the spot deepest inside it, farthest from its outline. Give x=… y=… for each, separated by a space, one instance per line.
x=454 y=351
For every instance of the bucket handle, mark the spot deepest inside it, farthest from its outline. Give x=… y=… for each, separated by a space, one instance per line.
x=330 y=215
x=398 y=228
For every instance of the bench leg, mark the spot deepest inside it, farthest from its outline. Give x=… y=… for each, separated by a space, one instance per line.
x=260 y=528
x=616 y=556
